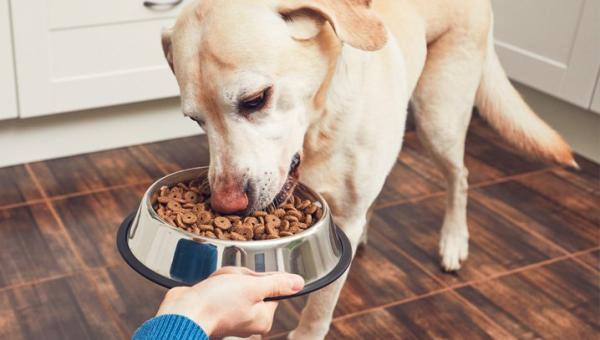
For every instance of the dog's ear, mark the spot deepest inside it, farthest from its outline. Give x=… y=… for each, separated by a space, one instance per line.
x=166 y=46
x=353 y=21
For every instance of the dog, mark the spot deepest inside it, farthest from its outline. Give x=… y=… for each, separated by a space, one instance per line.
x=318 y=90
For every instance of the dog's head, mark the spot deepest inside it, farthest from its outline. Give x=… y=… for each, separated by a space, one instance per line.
x=253 y=74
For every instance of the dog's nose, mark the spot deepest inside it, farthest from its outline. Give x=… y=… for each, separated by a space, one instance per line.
x=228 y=200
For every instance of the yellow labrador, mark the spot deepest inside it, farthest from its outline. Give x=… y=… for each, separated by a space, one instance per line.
x=317 y=90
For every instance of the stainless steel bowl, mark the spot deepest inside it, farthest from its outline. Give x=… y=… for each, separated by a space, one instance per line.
x=173 y=257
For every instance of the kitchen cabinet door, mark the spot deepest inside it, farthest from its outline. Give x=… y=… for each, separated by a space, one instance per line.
x=551 y=45
x=80 y=54
x=8 y=95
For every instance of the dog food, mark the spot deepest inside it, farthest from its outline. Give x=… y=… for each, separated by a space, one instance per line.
x=186 y=206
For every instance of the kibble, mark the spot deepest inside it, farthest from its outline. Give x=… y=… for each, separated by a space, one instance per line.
x=186 y=206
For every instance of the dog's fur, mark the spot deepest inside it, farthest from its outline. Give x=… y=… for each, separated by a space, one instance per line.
x=342 y=73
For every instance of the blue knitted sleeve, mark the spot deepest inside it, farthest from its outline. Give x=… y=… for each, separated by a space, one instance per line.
x=169 y=327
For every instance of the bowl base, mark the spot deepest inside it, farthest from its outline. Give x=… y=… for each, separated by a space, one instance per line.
x=149 y=274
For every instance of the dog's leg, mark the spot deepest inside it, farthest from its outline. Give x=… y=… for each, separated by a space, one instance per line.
x=317 y=314
x=443 y=104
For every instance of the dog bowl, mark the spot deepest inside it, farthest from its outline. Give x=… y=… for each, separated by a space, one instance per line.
x=173 y=257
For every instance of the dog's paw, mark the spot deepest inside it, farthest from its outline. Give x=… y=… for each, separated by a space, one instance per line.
x=454 y=248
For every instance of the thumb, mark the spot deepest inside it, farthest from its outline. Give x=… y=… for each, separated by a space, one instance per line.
x=279 y=284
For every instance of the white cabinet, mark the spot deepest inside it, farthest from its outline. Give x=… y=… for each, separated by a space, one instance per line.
x=79 y=54
x=551 y=45
x=8 y=95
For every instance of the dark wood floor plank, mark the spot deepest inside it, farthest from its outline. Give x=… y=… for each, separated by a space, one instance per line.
x=592 y=259
x=17 y=186
x=61 y=309
x=380 y=324
x=32 y=246
x=586 y=178
x=131 y=297
x=562 y=216
x=557 y=301
x=440 y=316
x=181 y=153
x=496 y=244
x=93 y=220
x=95 y=171
x=374 y=280
x=563 y=193
x=413 y=175
x=486 y=145
x=486 y=157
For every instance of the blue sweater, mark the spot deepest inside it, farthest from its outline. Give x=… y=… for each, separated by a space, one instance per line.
x=169 y=327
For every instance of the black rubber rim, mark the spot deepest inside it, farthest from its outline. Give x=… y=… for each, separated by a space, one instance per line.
x=146 y=272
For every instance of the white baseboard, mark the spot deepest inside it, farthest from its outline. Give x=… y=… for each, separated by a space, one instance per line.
x=27 y=140
x=580 y=127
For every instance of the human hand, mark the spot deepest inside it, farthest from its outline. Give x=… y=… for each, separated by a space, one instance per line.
x=230 y=302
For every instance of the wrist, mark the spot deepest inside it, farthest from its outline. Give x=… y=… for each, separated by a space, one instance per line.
x=206 y=320
x=184 y=305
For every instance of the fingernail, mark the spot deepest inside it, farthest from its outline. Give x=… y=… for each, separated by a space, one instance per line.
x=297 y=283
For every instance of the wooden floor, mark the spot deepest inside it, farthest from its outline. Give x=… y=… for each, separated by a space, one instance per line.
x=533 y=269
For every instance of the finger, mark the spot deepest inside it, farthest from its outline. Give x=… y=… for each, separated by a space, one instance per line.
x=279 y=284
x=232 y=270
x=258 y=274
x=267 y=273
x=241 y=271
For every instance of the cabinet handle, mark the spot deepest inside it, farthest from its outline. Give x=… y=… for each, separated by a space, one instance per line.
x=166 y=4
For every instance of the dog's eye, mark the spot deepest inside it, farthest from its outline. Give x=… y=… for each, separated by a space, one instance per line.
x=255 y=102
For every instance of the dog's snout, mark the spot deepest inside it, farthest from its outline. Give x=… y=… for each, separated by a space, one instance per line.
x=228 y=197
x=229 y=201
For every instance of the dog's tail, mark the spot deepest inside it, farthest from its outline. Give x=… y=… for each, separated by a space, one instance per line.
x=505 y=110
